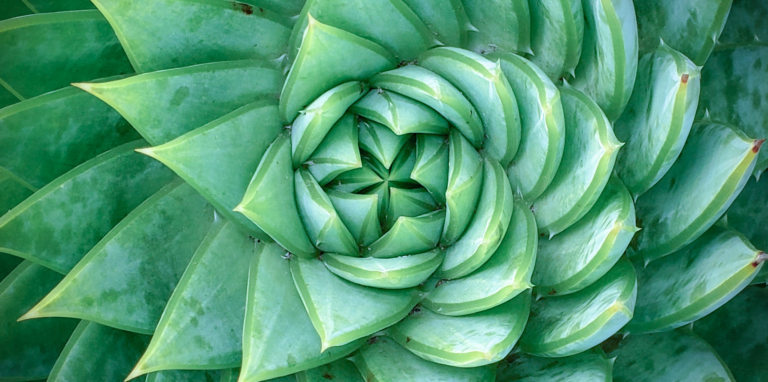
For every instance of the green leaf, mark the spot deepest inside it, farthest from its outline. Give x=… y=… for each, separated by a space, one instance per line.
x=30 y=348
x=218 y=159
x=338 y=152
x=381 y=142
x=505 y=275
x=46 y=52
x=500 y=24
x=395 y=273
x=409 y=235
x=98 y=352
x=566 y=325
x=436 y=92
x=58 y=5
x=111 y=286
x=658 y=118
x=14 y=8
x=485 y=85
x=222 y=31
x=316 y=120
x=359 y=213
x=487 y=228
x=591 y=365
x=409 y=202
x=402 y=166
x=324 y=226
x=731 y=92
x=694 y=281
x=278 y=337
x=608 y=63
x=7 y=264
x=270 y=200
x=745 y=22
x=341 y=370
x=583 y=253
x=745 y=216
x=77 y=209
x=474 y=340
x=400 y=114
x=383 y=360
x=431 y=165
x=328 y=57
x=678 y=355
x=684 y=204
x=286 y=7
x=48 y=135
x=201 y=326
x=342 y=311
x=446 y=19
x=14 y=192
x=738 y=333
x=389 y=23
x=557 y=32
x=357 y=179
x=465 y=179
x=163 y=105
x=588 y=159
x=184 y=376
x=543 y=126
x=689 y=26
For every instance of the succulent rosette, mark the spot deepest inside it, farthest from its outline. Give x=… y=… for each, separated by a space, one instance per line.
x=383 y=190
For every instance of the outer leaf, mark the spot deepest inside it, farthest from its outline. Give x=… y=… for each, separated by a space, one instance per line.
x=690 y=26
x=430 y=168
x=166 y=104
x=463 y=188
x=591 y=365
x=396 y=273
x=383 y=360
x=7 y=264
x=359 y=213
x=738 y=333
x=343 y=312
x=341 y=370
x=84 y=204
x=219 y=158
x=588 y=158
x=745 y=22
x=467 y=341
x=487 y=228
x=11 y=9
x=409 y=235
x=59 y=5
x=543 y=126
x=436 y=92
x=746 y=216
x=557 y=32
x=323 y=224
x=722 y=152
x=223 y=31
x=110 y=285
x=567 y=325
x=286 y=7
x=328 y=57
x=400 y=114
x=485 y=85
x=44 y=137
x=583 y=253
x=201 y=327
x=658 y=118
x=731 y=92
x=445 y=18
x=29 y=348
x=41 y=53
x=184 y=376
x=278 y=337
x=389 y=23
x=608 y=64
x=14 y=192
x=499 y=24
x=678 y=355
x=505 y=275
x=99 y=352
x=313 y=124
x=695 y=281
x=270 y=200
x=338 y=152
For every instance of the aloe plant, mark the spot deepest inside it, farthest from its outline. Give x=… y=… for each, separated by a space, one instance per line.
x=382 y=190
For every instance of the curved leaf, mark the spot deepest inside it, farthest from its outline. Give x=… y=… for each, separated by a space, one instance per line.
x=395 y=273
x=338 y=152
x=746 y=216
x=381 y=142
x=359 y=213
x=409 y=235
x=745 y=22
x=499 y=24
x=445 y=18
x=591 y=365
x=400 y=114
x=557 y=32
x=465 y=179
x=341 y=370
x=14 y=192
x=430 y=168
